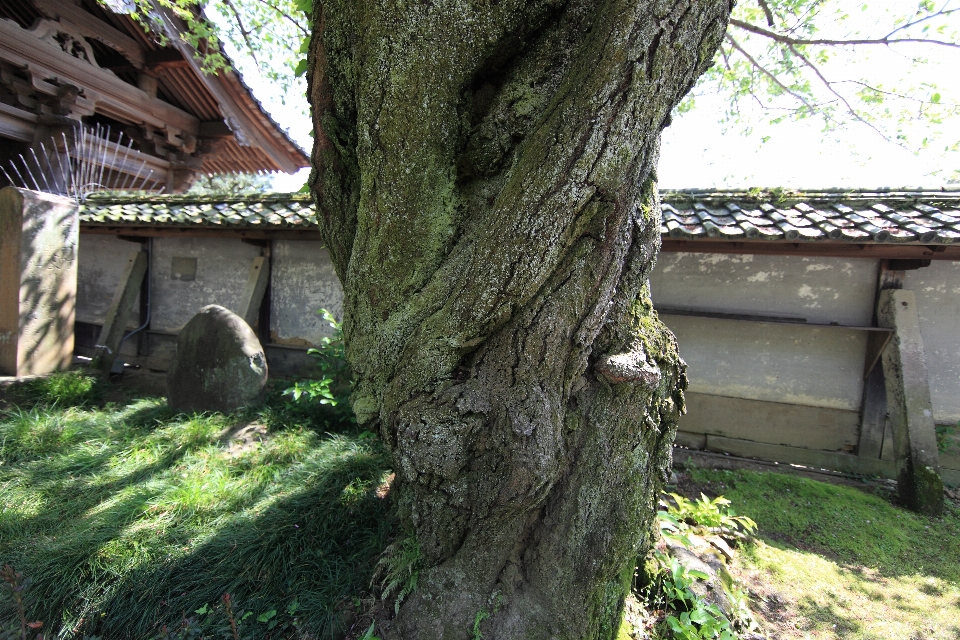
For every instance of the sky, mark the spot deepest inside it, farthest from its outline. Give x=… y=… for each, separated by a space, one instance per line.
x=700 y=151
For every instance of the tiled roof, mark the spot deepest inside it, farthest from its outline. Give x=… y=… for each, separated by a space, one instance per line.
x=863 y=217
x=923 y=217
x=263 y=211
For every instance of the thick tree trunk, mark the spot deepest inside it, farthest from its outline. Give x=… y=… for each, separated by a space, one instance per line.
x=485 y=177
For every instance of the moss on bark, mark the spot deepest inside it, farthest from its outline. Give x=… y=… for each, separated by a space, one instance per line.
x=487 y=192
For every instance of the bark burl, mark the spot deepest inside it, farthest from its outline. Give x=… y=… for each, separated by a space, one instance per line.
x=485 y=182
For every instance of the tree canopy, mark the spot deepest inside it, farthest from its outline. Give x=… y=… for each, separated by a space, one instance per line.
x=834 y=61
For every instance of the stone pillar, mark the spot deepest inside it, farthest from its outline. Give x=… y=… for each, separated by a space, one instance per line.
x=38 y=281
x=908 y=403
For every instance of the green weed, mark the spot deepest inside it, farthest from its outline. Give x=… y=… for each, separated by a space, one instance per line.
x=62 y=389
x=330 y=389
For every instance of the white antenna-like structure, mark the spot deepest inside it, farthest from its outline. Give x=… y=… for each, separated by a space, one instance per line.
x=88 y=163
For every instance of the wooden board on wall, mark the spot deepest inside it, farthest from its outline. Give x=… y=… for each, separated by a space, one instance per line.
x=771 y=422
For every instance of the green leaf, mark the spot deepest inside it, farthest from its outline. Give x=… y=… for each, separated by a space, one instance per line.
x=935 y=98
x=301 y=68
x=265 y=617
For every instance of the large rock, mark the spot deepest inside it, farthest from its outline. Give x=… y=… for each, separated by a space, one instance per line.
x=220 y=364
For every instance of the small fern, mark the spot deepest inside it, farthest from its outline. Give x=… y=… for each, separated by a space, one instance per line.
x=398 y=570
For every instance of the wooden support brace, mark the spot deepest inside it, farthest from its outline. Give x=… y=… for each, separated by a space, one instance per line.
x=115 y=321
x=908 y=403
x=873 y=415
x=255 y=288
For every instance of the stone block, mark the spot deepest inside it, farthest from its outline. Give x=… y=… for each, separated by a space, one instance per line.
x=220 y=364
x=38 y=281
x=908 y=404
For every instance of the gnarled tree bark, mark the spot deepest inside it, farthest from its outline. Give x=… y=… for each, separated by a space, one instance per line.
x=485 y=177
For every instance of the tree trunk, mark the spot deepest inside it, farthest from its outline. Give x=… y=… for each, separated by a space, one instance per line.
x=485 y=177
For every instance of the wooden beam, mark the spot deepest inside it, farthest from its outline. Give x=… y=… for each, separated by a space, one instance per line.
x=824 y=249
x=118 y=313
x=112 y=96
x=253 y=292
x=90 y=27
x=833 y=460
x=215 y=129
x=165 y=59
x=157 y=231
x=762 y=319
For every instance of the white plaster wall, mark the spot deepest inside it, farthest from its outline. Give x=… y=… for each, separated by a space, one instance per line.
x=223 y=266
x=793 y=364
x=100 y=265
x=937 y=288
x=822 y=290
x=302 y=282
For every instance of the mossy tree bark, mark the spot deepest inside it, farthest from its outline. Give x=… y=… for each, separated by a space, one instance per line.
x=485 y=177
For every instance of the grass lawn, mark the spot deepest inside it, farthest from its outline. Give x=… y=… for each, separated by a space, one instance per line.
x=127 y=516
x=835 y=561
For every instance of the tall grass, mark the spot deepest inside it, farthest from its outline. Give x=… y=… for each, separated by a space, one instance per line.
x=128 y=517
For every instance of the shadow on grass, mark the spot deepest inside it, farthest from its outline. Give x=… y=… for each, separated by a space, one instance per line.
x=115 y=555
x=316 y=548
x=829 y=617
x=848 y=525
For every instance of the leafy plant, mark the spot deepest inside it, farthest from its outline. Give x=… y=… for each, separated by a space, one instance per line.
x=332 y=387
x=687 y=616
x=399 y=568
x=704 y=517
x=947 y=439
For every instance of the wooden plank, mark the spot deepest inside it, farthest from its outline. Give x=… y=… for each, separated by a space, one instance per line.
x=161 y=347
x=825 y=249
x=951 y=477
x=873 y=415
x=691 y=440
x=877 y=341
x=771 y=422
x=761 y=319
x=950 y=462
x=779 y=363
x=118 y=313
x=808 y=457
x=252 y=296
x=157 y=231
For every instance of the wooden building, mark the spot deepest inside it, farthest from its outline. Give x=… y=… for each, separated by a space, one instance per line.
x=64 y=62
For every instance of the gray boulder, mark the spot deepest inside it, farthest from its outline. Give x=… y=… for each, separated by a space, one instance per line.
x=219 y=366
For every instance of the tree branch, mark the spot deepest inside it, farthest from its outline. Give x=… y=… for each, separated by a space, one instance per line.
x=243 y=31
x=283 y=14
x=777 y=37
x=892 y=94
x=766 y=11
x=759 y=67
x=853 y=112
x=942 y=12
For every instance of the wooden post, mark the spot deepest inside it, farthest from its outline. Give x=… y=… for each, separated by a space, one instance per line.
x=253 y=292
x=115 y=321
x=908 y=403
